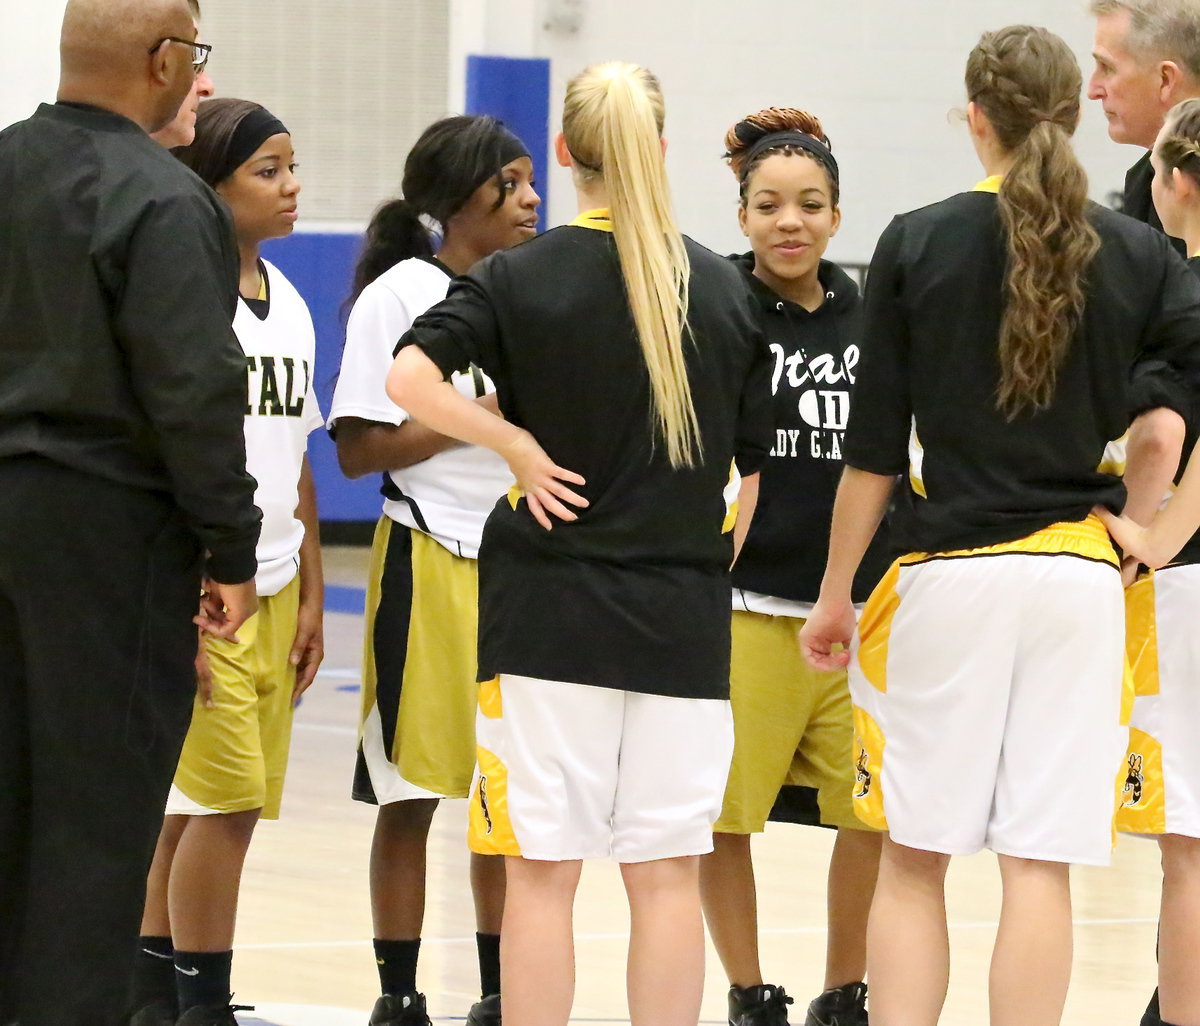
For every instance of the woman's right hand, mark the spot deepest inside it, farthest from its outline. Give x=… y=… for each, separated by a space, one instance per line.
x=542 y=481
x=830 y=624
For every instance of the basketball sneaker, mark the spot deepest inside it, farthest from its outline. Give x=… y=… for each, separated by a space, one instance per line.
x=213 y=1015
x=841 y=1006
x=400 y=1010
x=159 y=1012
x=485 y=1012
x=762 y=1005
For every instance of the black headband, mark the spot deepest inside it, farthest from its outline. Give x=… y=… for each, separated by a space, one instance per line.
x=801 y=140
x=252 y=131
x=508 y=148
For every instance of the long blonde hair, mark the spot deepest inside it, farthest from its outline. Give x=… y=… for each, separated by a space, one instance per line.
x=1027 y=83
x=612 y=124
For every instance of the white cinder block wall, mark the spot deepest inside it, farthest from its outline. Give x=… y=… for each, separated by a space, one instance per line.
x=883 y=76
x=28 y=55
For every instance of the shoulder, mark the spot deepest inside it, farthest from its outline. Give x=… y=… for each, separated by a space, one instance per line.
x=714 y=270
x=282 y=288
x=415 y=284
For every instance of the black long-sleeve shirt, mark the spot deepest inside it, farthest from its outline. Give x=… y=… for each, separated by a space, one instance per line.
x=118 y=284
x=925 y=397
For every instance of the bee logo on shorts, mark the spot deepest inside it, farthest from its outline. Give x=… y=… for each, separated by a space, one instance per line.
x=862 y=775
x=1133 y=782
x=483 y=804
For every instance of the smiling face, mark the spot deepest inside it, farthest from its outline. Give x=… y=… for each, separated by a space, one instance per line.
x=1129 y=87
x=789 y=218
x=261 y=194
x=487 y=227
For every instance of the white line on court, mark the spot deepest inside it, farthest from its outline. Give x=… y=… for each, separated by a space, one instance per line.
x=777 y=931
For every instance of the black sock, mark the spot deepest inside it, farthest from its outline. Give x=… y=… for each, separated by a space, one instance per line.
x=489 y=962
x=202 y=977
x=154 y=972
x=397 y=963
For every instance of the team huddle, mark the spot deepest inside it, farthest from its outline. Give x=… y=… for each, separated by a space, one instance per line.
x=671 y=544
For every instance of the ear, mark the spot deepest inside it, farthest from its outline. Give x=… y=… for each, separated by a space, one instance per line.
x=663 y=142
x=976 y=120
x=160 y=63
x=837 y=221
x=1184 y=185
x=1170 y=82
x=561 y=153
x=742 y=219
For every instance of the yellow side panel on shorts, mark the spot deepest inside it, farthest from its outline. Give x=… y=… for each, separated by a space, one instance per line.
x=514 y=495
x=869 y=744
x=491 y=830
x=1143 y=806
x=1141 y=636
x=490 y=702
x=875 y=629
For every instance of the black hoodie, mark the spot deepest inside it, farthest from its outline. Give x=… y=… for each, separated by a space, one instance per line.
x=815 y=355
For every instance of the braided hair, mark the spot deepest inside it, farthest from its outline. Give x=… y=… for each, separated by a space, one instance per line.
x=1179 y=146
x=1027 y=83
x=740 y=140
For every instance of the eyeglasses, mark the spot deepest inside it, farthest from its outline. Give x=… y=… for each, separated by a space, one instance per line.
x=200 y=51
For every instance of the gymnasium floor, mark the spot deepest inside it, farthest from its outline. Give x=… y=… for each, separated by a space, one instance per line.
x=304 y=954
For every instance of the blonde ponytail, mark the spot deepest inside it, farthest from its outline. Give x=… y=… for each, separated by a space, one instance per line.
x=612 y=123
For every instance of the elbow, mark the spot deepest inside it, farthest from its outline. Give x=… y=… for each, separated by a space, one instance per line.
x=350 y=461
x=1158 y=434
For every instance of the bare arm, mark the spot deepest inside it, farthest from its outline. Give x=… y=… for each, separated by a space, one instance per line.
x=1171 y=527
x=369 y=447
x=862 y=499
x=1151 y=461
x=415 y=383
x=308 y=648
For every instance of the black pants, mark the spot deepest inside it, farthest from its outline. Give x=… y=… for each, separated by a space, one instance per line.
x=98 y=585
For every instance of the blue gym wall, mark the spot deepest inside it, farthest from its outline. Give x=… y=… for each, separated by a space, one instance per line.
x=321 y=265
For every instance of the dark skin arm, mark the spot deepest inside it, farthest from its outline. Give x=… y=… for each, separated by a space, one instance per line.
x=369 y=447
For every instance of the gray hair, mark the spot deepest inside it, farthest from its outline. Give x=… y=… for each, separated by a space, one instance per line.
x=1160 y=29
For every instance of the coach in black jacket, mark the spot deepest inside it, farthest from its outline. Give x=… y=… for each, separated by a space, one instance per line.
x=122 y=465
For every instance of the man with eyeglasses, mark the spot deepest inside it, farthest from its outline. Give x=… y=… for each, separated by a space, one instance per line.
x=122 y=479
x=181 y=130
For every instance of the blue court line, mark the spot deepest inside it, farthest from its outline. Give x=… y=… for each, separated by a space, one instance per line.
x=340 y=599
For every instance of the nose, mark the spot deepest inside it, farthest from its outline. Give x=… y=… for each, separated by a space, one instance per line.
x=1094 y=90
x=204 y=85
x=530 y=197
x=291 y=184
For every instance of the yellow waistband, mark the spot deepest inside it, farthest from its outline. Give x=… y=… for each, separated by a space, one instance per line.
x=1087 y=539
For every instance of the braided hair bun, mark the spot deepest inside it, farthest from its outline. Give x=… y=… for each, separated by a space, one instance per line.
x=743 y=154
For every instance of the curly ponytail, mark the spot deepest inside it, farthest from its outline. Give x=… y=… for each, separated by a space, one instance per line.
x=1027 y=83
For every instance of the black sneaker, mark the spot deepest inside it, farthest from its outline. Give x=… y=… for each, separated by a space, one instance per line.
x=842 y=1006
x=159 y=1012
x=763 y=1005
x=213 y=1015
x=399 y=1010
x=485 y=1012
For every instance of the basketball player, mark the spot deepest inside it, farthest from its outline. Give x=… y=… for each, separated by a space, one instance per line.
x=473 y=179
x=604 y=725
x=231 y=771
x=1002 y=326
